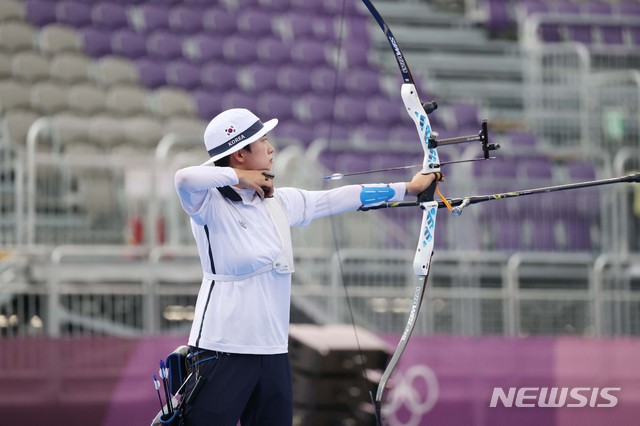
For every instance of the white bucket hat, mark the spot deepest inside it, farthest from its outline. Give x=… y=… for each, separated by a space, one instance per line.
x=232 y=130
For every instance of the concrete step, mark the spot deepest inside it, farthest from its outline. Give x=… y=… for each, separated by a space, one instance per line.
x=472 y=66
x=489 y=93
x=417 y=13
x=462 y=39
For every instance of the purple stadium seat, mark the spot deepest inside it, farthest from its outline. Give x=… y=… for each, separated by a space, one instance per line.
x=96 y=43
x=151 y=73
x=294 y=130
x=498 y=15
x=528 y=8
x=219 y=21
x=565 y=7
x=327 y=80
x=183 y=74
x=465 y=115
x=369 y=133
x=109 y=15
x=239 y=50
x=294 y=25
x=580 y=171
x=186 y=20
x=578 y=231
x=330 y=159
x=149 y=17
x=363 y=81
x=237 y=99
x=349 y=161
x=167 y=2
x=494 y=211
x=255 y=23
x=73 y=13
x=611 y=34
x=580 y=33
x=275 y=5
x=383 y=111
x=634 y=34
x=501 y=169
x=309 y=53
x=543 y=237
x=629 y=7
x=239 y=5
x=550 y=33
x=508 y=234
x=585 y=201
x=525 y=207
x=589 y=202
x=353 y=56
x=163 y=44
x=218 y=76
x=535 y=168
x=275 y=104
x=292 y=79
x=313 y=7
x=595 y=7
x=273 y=50
x=341 y=7
x=332 y=131
x=202 y=48
x=357 y=29
x=257 y=78
x=519 y=142
x=208 y=103
x=326 y=28
x=312 y=108
x=403 y=134
x=128 y=43
x=349 y=110
x=40 y=12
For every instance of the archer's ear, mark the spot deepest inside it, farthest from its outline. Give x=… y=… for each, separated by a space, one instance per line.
x=238 y=157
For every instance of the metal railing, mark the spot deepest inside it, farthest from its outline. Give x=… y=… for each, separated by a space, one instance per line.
x=131 y=291
x=561 y=78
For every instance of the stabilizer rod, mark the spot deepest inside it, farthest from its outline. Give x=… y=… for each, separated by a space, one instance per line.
x=475 y=199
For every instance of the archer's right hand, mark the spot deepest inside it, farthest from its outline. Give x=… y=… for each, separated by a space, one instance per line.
x=257 y=180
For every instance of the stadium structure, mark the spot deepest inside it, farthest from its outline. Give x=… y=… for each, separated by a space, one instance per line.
x=528 y=299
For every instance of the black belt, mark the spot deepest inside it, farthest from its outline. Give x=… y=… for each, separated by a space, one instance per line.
x=198 y=355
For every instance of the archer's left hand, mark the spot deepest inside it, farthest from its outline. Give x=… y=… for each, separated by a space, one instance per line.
x=421 y=181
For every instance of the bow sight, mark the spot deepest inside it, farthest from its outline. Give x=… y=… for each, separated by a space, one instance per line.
x=482 y=137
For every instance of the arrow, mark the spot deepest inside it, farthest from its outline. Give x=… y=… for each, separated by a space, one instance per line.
x=338 y=176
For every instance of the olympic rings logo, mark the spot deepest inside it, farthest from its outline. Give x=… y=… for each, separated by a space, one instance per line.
x=406 y=393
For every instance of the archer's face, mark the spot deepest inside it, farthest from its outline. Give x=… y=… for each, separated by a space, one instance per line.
x=261 y=155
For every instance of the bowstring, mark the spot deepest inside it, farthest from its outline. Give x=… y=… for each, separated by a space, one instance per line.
x=332 y=220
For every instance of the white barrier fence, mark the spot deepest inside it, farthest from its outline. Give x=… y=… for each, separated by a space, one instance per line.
x=125 y=291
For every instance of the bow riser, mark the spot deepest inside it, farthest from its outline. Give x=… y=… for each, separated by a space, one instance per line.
x=420 y=118
x=430 y=164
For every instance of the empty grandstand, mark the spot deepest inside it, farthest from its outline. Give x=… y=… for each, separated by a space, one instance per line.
x=102 y=101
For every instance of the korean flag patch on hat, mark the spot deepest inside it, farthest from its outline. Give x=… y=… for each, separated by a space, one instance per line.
x=232 y=130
